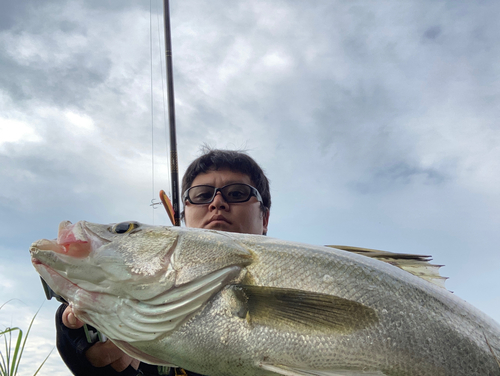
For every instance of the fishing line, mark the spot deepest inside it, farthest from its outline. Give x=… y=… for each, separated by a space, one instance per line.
x=162 y=68
x=152 y=110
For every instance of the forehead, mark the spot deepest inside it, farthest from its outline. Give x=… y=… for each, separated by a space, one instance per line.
x=220 y=178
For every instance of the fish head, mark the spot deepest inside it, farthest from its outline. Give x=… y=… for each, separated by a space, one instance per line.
x=127 y=259
x=135 y=282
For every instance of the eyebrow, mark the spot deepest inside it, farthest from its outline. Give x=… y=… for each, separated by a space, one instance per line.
x=227 y=183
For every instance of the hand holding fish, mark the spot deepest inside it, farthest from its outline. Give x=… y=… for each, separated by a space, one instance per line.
x=107 y=353
x=101 y=354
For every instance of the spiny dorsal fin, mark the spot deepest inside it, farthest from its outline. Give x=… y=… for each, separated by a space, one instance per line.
x=415 y=264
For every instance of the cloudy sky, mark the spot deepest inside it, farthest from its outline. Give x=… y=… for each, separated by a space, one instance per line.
x=376 y=122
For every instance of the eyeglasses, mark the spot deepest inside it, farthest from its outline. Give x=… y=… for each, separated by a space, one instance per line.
x=231 y=193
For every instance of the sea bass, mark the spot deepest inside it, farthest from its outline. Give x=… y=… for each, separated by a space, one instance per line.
x=220 y=303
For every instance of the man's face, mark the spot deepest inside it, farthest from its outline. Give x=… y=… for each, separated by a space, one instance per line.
x=242 y=217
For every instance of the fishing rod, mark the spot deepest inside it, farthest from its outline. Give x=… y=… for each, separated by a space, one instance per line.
x=172 y=207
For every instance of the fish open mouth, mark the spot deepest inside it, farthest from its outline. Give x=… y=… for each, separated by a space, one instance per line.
x=72 y=241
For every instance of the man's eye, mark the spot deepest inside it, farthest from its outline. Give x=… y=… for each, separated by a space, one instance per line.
x=203 y=195
x=236 y=194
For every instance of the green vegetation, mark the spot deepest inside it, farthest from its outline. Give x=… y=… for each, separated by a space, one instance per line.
x=14 y=348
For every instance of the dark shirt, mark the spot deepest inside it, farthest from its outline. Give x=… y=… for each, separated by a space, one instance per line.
x=72 y=344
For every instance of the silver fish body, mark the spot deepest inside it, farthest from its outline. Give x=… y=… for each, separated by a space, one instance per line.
x=221 y=303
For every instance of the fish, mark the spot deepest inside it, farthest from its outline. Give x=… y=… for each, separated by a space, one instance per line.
x=221 y=303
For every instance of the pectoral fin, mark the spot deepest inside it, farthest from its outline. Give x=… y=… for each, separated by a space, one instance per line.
x=291 y=371
x=299 y=310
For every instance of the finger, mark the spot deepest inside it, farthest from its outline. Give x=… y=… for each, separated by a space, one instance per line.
x=70 y=320
x=106 y=353
x=102 y=354
x=122 y=363
x=135 y=363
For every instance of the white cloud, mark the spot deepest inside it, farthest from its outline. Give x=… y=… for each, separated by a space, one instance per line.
x=16 y=131
x=82 y=121
x=278 y=61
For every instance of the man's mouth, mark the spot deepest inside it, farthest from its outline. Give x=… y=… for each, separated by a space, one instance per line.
x=218 y=218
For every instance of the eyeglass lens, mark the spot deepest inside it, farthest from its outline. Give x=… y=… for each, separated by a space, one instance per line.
x=204 y=194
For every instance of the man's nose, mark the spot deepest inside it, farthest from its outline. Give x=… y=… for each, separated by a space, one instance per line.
x=219 y=202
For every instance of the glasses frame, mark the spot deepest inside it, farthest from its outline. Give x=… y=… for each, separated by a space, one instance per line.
x=253 y=193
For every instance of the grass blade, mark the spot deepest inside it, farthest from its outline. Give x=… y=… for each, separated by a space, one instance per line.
x=11 y=359
x=16 y=358
x=41 y=365
x=24 y=343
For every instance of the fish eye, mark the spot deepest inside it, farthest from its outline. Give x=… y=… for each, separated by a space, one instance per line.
x=124 y=227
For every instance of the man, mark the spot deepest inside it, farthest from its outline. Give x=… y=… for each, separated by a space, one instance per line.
x=222 y=190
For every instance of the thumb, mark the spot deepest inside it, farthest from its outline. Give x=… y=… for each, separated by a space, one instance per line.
x=70 y=320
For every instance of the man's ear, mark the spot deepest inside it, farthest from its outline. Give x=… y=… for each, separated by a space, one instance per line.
x=265 y=222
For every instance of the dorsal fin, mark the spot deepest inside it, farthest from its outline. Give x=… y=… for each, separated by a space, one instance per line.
x=417 y=265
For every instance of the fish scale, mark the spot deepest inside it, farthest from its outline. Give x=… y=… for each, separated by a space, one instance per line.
x=237 y=305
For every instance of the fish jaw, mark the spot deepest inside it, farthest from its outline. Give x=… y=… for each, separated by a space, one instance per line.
x=79 y=299
x=90 y=307
x=56 y=281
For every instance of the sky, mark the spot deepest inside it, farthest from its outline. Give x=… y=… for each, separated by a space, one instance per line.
x=375 y=121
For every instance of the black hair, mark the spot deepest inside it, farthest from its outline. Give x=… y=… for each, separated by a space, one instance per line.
x=236 y=161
